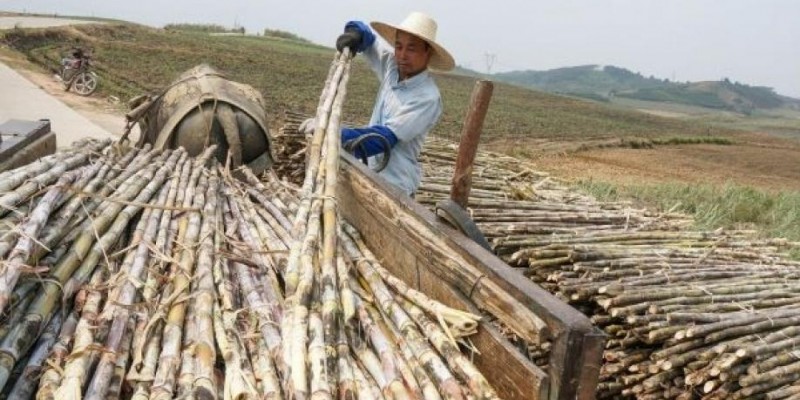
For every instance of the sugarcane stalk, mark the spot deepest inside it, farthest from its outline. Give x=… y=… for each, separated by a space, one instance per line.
x=239 y=381
x=320 y=386
x=426 y=385
x=164 y=383
x=313 y=170
x=266 y=376
x=10 y=179
x=55 y=230
x=30 y=232
x=15 y=315
x=346 y=296
x=25 y=386
x=166 y=235
x=393 y=384
x=347 y=389
x=11 y=199
x=366 y=387
x=372 y=368
x=452 y=320
x=51 y=375
x=296 y=319
x=203 y=385
x=268 y=314
x=403 y=367
x=116 y=385
x=460 y=365
x=273 y=295
x=125 y=297
x=84 y=349
x=386 y=302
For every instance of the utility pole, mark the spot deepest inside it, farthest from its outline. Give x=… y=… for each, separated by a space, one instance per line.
x=490 y=59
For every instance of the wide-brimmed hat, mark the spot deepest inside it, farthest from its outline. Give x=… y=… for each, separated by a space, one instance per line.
x=424 y=27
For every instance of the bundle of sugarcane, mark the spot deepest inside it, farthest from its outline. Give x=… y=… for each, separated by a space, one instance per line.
x=512 y=204
x=146 y=274
x=688 y=314
x=319 y=322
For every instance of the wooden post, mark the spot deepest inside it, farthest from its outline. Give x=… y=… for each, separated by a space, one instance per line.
x=470 y=136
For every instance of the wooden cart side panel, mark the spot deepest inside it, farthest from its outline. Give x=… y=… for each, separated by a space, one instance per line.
x=513 y=376
x=574 y=361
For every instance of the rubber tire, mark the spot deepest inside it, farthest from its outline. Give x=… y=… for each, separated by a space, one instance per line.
x=85 y=83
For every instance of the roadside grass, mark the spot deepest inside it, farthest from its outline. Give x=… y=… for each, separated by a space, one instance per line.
x=729 y=205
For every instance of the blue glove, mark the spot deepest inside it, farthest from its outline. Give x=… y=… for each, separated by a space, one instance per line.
x=370 y=146
x=357 y=36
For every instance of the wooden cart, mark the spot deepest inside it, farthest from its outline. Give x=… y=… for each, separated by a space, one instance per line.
x=411 y=242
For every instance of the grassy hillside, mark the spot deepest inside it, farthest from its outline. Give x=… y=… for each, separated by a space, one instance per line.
x=582 y=80
x=723 y=95
x=132 y=59
x=603 y=82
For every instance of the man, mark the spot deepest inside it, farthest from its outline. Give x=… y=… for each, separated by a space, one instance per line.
x=408 y=103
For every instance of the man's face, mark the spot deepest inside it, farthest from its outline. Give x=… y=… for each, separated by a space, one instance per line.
x=411 y=53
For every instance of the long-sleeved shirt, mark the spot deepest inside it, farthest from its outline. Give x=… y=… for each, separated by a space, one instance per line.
x=410 y=109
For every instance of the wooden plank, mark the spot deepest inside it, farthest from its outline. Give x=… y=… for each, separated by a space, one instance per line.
x=513 y=376
x=417 y=232
x=470 y=137
x=380 y=209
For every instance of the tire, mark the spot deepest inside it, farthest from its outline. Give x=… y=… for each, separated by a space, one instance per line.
x=85 y=83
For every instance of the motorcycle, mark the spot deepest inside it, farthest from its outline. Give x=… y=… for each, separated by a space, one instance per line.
x=75 y=73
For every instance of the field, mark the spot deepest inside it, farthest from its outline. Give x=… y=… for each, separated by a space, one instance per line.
x=624 y=143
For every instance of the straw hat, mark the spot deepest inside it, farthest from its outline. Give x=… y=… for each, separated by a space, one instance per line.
x=424 y=27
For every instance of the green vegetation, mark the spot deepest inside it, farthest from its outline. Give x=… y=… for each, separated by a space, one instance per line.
x=204 y=28
x=284 y=35
x=133 y=59
x=714 y=206
x=604 y=82
x=678 y=94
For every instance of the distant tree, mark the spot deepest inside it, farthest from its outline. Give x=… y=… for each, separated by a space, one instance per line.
x=284 y=35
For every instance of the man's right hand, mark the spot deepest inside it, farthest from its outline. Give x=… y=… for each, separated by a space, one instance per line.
x=351 y=38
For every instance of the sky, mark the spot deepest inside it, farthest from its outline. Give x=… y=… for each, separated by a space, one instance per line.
x=756 y=42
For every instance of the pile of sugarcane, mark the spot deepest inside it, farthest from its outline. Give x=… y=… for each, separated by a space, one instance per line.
x=134 y=273
x=688 y=314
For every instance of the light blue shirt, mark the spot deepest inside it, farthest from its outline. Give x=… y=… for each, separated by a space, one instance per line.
x=410 y=109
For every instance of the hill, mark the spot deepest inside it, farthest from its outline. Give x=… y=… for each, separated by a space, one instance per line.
x=582 y=80
x=133 y=59
x=605 y=82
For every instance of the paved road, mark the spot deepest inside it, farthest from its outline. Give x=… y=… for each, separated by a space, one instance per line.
x=22 y=99
x=9 y=22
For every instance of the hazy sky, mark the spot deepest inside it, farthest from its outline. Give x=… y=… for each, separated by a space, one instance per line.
x=752 y=41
